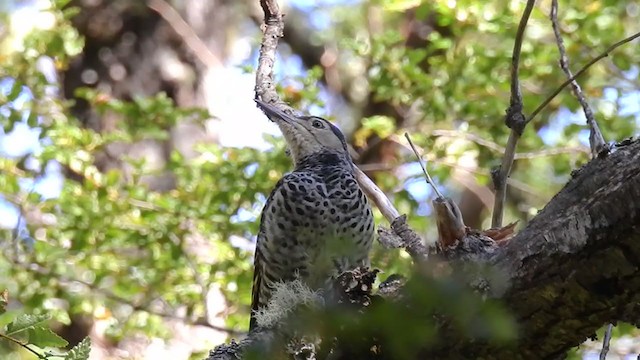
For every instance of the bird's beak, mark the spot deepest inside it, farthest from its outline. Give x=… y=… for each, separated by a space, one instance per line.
x=274 y=113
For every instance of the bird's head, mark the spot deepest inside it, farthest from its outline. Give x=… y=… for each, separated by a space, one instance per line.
x=307 y=135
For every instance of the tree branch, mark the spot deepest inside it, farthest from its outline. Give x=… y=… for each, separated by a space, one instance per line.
x=605 y=341
x=514 y=119
x=596 y=140
x=189 y=36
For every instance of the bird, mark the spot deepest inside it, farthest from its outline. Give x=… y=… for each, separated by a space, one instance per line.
x=317 y=221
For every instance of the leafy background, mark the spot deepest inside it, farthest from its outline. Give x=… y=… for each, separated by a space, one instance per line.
x=135 y=166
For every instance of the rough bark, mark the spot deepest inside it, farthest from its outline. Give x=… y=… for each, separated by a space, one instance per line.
x=575 y=267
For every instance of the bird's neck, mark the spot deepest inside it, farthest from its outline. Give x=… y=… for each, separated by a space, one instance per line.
x=324 y=159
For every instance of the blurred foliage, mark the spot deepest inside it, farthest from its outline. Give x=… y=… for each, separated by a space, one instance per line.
x=110 y=247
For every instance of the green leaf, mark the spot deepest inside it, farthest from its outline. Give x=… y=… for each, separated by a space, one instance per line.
x=80 y=351
x=26 y=321
x=43 y=337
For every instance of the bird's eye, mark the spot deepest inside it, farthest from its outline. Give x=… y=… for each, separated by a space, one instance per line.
x=317 y=124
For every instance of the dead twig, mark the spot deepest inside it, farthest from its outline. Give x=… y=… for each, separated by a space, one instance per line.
x=514 y=119
x=424 y=170
x=596 y=139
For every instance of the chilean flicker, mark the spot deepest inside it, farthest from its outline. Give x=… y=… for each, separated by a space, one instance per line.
x=317 y=222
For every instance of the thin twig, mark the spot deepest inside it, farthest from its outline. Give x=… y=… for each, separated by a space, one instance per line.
x=424 y=170
x=516 y=95
x=24 y=345
x=514 y=119
x=182 y=28
x=580 y=72
x=596 y=139
x=497 y=148
x=605 y=342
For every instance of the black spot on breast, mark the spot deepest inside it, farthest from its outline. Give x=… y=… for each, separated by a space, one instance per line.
x=361 y=228
x=301 y=188
x=291 y=187
x=299 y=211
x=353 y=225
x=332 y=211
x=319 y=188
x=295 y=222
x=325 y=203
x=287 y=207
x=281 y=226
x=273 y=209
x=332 y=178
x=308 y=199
x=345 y=207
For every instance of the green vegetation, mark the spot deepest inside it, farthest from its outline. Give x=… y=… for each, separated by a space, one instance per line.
x=111 y=247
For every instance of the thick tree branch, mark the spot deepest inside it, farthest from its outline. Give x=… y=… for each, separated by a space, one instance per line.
x=576 y=265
